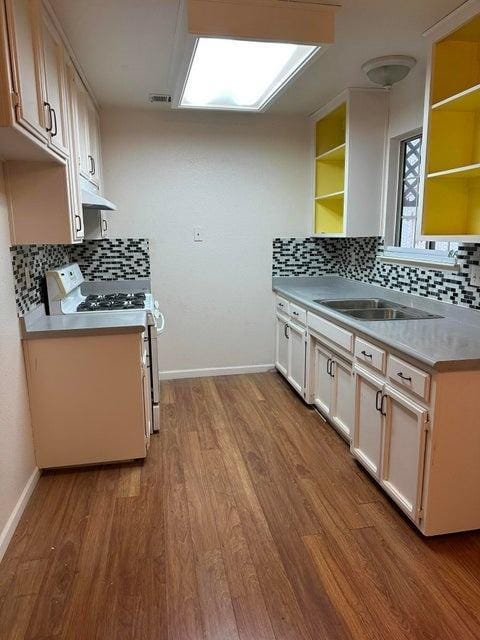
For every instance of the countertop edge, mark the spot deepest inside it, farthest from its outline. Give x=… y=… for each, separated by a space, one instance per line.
x=440 y=366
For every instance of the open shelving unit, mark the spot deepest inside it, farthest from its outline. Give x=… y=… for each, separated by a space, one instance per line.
x=349 y=138
x=330 y=145
x=451 y=184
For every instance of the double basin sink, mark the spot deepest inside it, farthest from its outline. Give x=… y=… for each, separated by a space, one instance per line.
x=375 y=309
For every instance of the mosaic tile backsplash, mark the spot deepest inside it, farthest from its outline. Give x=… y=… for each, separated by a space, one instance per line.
x=108 y=259
x=360 y=259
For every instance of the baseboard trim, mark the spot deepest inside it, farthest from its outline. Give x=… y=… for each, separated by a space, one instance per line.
x=215 y=371
x=12 y=522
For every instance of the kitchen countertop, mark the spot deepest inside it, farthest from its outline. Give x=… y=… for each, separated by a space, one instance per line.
x=450 y=343
x=38 y=325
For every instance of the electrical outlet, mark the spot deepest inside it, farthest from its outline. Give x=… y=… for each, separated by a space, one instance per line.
x=197 y=234
x=475 y=275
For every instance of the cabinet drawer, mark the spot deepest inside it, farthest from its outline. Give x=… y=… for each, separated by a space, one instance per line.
x=370 y=354
x=298 y=314
x=331 y=331
x=408 y=377
x=282 y=305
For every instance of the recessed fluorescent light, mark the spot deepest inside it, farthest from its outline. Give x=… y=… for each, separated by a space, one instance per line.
x=240 y=74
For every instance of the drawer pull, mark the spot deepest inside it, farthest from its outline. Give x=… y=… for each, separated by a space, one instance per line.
x=367 y=355
x=280 y=304
x=406 y=378
x=295 y=313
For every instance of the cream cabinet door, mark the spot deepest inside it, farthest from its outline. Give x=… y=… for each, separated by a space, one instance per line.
x=366 y=443
x=26 y=60
x=403 y=451
x=55 y=85
x=322 y=382
x=296 y=357
x=94 y=156
x=343 y=396
x=281 y=344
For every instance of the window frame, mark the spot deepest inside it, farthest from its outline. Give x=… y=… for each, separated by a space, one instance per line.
x=392 y=252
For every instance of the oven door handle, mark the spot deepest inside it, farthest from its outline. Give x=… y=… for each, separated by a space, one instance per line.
x=162 y=321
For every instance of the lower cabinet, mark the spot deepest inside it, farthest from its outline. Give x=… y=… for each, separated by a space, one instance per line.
x=333 y=388
x=290 y=352
x=403 y=457
x=368 y=430
x=281 y=344
x=389 y=439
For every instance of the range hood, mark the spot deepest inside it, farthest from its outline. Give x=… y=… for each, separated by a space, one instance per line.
x=94 y=201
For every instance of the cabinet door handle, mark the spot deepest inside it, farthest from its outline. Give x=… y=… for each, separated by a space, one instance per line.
x=328 y=366
x=49 y=127
x=367 y=355
x=378 y=401
x=332 y=375
x=286 y=332
x=105 y=226
x=79 y=227
x=92 y=165
x=406 y=378
x=382 y=409
x=54 y=133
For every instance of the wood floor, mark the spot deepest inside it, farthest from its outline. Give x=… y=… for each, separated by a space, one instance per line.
x=249 y=520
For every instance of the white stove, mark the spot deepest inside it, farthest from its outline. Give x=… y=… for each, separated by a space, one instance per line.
x=64 y=287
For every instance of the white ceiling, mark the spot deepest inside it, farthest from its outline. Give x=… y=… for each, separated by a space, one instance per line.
x=125 y=46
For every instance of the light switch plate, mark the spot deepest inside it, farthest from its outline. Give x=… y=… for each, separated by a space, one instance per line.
x=475 y=275
x=197 y=234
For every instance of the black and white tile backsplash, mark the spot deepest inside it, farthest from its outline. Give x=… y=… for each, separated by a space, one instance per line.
x=113 y=259
x=360 y=259
x=108 y=259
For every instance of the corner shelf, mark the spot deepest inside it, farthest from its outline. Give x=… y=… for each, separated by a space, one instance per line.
x=337 y=154
x=468 y=100
x=469 y=171
x=348 y=164
x=337 y=195
x=451 y=184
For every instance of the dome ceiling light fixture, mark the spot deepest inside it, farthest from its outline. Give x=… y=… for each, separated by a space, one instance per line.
x=388 y=70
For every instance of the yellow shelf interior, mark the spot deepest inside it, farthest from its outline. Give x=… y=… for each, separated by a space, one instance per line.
x=331 y=130
x=452 y=189
x=329 y=215
x=457 y=62
x=452 y=207
x=330 y=145
x=337 y=154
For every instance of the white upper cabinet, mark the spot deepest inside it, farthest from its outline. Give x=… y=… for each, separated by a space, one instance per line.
x=26 y=65
x=349 y=146
x=54 y=85
x=94 y=157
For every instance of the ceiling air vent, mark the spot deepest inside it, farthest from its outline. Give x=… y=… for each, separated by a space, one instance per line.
x=159 y=97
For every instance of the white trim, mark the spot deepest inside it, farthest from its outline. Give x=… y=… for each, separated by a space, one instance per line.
x=215 y=371
x=13 y=520
x=424 y=264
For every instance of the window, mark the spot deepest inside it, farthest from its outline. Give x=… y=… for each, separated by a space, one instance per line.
x=405 y=237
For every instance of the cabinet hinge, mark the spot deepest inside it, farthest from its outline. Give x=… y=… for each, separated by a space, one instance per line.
x=15 y=98
x=420 y=514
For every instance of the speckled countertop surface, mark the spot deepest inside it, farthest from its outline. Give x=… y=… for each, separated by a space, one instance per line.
x=38 y=325
x=449 y=343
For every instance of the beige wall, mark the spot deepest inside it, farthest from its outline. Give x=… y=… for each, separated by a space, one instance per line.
x=244 y=179
x=16 y=451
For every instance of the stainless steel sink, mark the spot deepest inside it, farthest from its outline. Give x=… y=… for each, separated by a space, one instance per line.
x=358 y=303
x=375 y=309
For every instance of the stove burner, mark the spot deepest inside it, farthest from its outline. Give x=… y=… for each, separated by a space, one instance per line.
x=113 y=302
